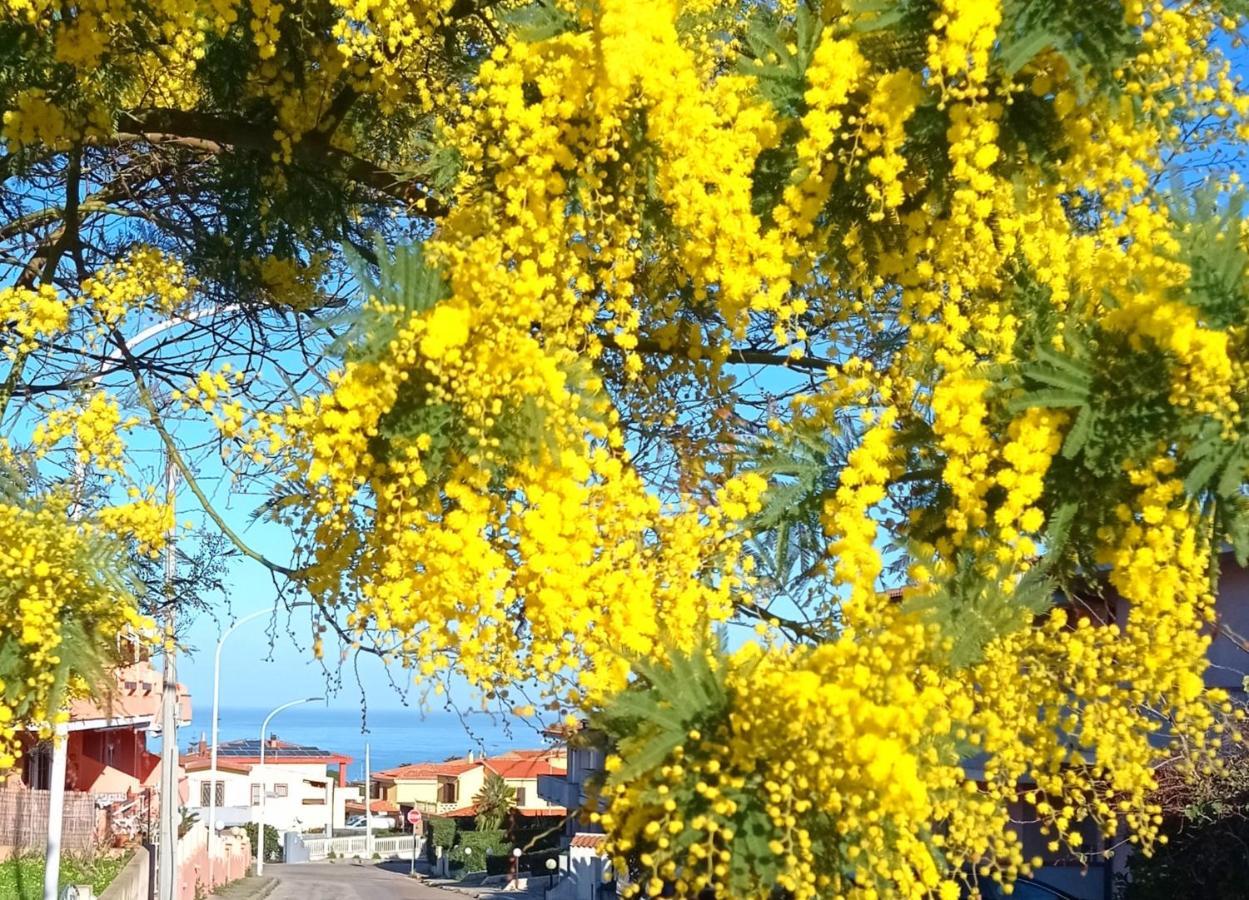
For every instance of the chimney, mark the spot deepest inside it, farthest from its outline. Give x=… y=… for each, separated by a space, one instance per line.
x=470 y=755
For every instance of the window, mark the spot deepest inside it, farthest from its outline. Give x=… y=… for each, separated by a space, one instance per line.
x=447 y=791
x=279 y=790
x=38 y=766
x=255 y=795
x=205 y=787
x=520 y=796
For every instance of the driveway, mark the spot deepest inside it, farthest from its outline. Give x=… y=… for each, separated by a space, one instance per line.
x=347 y=881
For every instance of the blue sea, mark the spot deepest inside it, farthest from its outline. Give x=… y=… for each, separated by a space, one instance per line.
x=394 y=736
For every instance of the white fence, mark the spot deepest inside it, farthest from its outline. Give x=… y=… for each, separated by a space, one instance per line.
x=355 y=847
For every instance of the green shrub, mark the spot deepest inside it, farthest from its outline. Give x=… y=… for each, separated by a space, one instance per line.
x=535 y=863
x=274 y=851
x=1200 y=859
x=439 y=832
x=482 y=844
x=21 y=878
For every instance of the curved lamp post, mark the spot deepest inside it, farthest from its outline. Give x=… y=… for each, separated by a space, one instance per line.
x=212 y=764
x=260 y=829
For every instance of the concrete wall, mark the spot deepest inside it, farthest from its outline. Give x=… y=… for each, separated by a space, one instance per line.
x=134 y=881
x=231 y=853
x=408 y=792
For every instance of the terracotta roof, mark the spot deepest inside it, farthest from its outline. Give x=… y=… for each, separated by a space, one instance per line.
x=377 y=806
x=543 y=753
x=532 y=812
x=523 y=767
x=585 y=839
x=426 y=771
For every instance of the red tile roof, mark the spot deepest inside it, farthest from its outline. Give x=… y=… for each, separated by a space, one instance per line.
x=532 y=812
x=377 y=806
x=523 y=767
x=585 y=839
x=544 y=753
x=426 y=771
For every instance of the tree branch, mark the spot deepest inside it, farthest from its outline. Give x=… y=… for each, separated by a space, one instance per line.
x=744 y=356
x=214 y=134
x=149 y=403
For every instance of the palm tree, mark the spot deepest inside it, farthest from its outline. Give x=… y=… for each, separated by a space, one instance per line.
x=493 y=802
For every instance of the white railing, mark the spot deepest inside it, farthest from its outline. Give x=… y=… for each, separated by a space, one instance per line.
x=355 y=846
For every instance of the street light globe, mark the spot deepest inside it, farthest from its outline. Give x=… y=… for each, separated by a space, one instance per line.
x=516 y=852
x=550 y=863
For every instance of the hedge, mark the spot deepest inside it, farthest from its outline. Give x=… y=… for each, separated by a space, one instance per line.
x=439 y=832
x=483 y=844
x=533 y=863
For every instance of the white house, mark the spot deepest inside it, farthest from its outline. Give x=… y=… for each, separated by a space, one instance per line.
x=304 y=786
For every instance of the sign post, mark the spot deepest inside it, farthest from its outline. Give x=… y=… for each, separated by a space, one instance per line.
x=414 y=819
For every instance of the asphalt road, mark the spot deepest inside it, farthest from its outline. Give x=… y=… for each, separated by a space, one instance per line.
x=347 y=881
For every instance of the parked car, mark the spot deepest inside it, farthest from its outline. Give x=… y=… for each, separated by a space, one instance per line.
x=1025 y=889
x=379 y=822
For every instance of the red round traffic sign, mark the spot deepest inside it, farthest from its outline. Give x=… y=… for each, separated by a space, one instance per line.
x=414 y=817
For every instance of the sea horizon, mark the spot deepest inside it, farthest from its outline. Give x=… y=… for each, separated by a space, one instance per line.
x=394 y=737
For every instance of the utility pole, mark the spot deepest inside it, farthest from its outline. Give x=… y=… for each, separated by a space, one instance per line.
x=368 y=805
x=56 y=809
x=167 y=842
x=264 y=787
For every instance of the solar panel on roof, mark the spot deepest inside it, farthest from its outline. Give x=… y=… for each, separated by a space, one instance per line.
x=248 y=748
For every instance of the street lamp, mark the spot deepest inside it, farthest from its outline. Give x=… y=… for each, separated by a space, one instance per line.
x=550 y=869
x=212 y=764
x=166 y=855
x=515 y=865
x=260 y=828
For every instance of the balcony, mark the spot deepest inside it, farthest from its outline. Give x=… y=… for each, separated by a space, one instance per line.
x=555 y=789
x=134 y=697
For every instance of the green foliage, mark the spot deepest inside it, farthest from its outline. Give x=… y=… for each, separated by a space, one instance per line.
x=655 y=714
x=1209 y=232
x=404 y=281
x=537 y=21
x=473 y=847
x=21 y=878
x=274 y=851
x=1092 y=37
x=788 y=536
x=777 y=55
x=972 y=609
x=494 y=801
x=1118 y=393
x=439 y=832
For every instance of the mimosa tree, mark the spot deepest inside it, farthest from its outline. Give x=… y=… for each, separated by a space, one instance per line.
x=564 y=334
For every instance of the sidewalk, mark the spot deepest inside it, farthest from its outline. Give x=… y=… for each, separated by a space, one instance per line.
x=534 y=889
x=248 y=888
